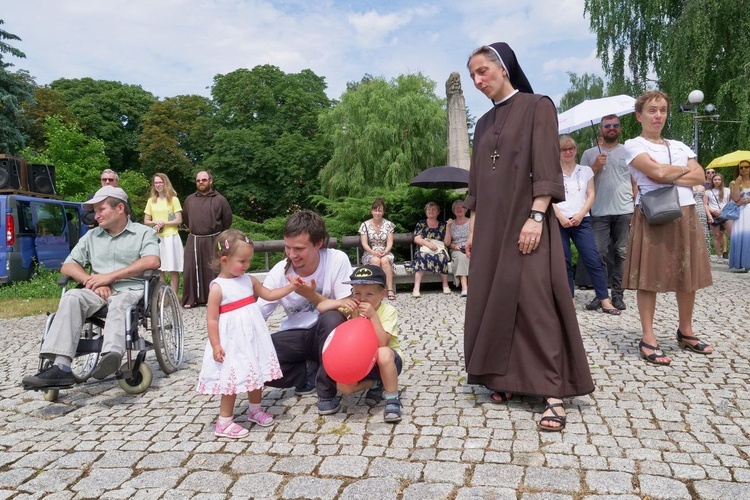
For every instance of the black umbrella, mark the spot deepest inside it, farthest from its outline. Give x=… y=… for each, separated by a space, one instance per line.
x=442 y=177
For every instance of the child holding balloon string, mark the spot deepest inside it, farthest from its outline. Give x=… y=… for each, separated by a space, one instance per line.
x=368 y=291
x=239 y=355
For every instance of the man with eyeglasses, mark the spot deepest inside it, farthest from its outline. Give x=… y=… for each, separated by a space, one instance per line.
x=108 y=178
x=613 y=206
x=205 y=213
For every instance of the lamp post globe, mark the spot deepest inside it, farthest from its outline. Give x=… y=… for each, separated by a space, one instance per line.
x=695 y=97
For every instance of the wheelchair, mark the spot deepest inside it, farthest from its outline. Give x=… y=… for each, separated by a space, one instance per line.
x=158 y=311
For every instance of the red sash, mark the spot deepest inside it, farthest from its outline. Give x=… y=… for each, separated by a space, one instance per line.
x=236 y=304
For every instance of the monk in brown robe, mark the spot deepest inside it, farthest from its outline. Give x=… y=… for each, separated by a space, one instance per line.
x=521 y=331
x=206 y=213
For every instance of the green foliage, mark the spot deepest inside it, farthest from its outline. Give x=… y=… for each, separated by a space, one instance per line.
x=42 y=286
x=383 y=134
x=16 y=89
x=78 y=158
x=266 y=149
x=176 y=139
x=46 y=103
x=688 y=44
x=138 y=188
x=111 y=111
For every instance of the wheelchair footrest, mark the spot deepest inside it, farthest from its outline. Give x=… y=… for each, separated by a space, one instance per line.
x=89 y=346
x=48 y=388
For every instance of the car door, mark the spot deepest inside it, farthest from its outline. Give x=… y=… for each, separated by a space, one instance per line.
x=51 y=241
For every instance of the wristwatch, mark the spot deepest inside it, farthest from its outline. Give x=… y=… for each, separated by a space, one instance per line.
x=536 y=215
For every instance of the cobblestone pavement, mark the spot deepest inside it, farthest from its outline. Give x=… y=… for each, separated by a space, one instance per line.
x=647 y=431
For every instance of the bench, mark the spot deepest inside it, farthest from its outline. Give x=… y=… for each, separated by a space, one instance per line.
x=400 y=274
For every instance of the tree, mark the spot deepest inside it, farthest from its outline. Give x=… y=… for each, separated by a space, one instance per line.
x=16 y=88
x=111 y=111
x=267 y=150
x=383 y=133
x=176 y=139
x=78 y=159
x=46 y=103
x=687 y=44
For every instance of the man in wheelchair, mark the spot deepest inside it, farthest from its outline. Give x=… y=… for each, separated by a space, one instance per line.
x=117 y=251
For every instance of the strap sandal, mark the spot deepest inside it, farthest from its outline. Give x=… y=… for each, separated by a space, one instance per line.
x=699 y=347
x=614 y=311
x=231 y=430
x=555 y=417
x=654 y=356
x=391 y=295
x=260 y=417
x=392 y=410
x=500 y=397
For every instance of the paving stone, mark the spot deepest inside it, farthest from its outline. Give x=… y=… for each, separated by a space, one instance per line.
x=50 y=481
x=445 y=471
x=716 y=490
x=662 y=487
x=162 y=460
x=555 y=480
x=206 y=481
x=165 y=478
x=434 y=491
x=311 y=487
x=100 y=480
x=384 y=488
x=484 y=492
x=262 y=485
x=609 y=482
x=296 y=465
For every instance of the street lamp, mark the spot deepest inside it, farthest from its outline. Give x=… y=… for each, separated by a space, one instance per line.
x=695 y=98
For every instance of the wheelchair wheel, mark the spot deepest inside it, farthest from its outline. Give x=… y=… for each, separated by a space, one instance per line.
x=83 y=365
x=51 y=395
x=141 y=381
x=167 y=331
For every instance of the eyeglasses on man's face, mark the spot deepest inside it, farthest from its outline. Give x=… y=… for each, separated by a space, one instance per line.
x=108 y=179
x=201 y=180
x=610 y=125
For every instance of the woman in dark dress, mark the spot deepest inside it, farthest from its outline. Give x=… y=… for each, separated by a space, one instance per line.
x=521 y=332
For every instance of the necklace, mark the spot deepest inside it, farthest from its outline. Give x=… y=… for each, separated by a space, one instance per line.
x=495 y=154
x=655 y=141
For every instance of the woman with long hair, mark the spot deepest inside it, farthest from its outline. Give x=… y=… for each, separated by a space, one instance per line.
x=739 y=253
x=668 y=257
x=715 y=199
x=164 y=213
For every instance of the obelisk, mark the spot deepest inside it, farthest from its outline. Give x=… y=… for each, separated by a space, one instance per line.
x=458 y=132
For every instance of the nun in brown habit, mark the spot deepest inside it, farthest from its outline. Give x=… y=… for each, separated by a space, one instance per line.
x=521 y=332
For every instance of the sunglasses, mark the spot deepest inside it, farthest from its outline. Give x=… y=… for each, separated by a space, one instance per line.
x=611 y=125
x=709 y=172
x=201 y=180
x=744 y=166
x=108 y=179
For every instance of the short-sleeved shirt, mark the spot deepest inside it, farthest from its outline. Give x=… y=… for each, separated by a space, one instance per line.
x=672 y=153
x=163 y=211
x=333 y=269
x=576 y=185
x=377 y=239
x=717 y=200
x=388 y=317
x=614 y=191
x=105 y=253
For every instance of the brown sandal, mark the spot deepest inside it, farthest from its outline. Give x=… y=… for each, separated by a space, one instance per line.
x=555 y=417
x=501 y=397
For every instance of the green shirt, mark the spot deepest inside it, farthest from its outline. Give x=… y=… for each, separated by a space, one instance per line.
x=105 y=253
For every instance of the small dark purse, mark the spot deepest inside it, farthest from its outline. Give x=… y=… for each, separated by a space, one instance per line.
x=661 y=205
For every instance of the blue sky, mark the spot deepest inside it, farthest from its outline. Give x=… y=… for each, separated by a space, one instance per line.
x=174 y=47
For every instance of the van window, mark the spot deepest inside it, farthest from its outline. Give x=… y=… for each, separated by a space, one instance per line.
x=25 y=220
x=50 y=219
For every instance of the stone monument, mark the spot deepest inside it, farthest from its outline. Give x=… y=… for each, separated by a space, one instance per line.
x=458 y=132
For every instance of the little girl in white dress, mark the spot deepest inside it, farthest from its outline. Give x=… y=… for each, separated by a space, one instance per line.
x=239 y=355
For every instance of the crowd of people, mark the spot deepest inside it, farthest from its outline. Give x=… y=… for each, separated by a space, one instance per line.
x=527 y=200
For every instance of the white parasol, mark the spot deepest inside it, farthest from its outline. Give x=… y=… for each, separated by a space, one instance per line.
x=590 y=112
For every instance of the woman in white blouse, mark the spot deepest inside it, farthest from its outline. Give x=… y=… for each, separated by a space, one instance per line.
x=668 y=257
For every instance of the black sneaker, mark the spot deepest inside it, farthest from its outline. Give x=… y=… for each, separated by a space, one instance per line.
x=594 y=304
x=392 y=411
x=619 y=303
x=374 y=395
x=305 y=389
x=725 y=255
x=108 y=365
x=53 y=376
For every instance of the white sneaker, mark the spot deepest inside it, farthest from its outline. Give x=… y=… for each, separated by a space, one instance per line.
x=719 y=260
x=415 y=294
